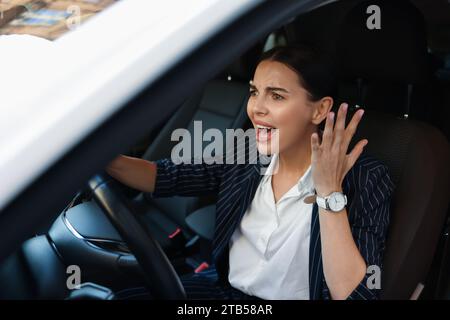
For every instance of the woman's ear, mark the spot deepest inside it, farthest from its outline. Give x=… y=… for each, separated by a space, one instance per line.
x=321 y=109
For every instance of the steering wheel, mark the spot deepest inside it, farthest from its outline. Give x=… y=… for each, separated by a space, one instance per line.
x=160 y=277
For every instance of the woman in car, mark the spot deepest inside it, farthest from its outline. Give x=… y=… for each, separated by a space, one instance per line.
x=313 y=224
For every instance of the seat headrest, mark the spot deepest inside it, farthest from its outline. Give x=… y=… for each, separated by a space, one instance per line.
x=310 y=29
x=397 y=51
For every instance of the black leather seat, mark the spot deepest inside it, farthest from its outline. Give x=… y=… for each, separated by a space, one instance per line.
x=222 y=105
x=417 y=155
x=391 y=72
x=387 y=72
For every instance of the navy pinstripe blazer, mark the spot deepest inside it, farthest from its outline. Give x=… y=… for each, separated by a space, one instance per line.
x=367 y=185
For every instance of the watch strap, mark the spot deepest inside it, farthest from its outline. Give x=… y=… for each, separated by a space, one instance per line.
x=322 y=202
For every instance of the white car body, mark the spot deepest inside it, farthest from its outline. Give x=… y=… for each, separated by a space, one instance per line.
x=55 y=93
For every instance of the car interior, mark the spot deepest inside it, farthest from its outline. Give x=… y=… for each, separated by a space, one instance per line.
x=400 y=75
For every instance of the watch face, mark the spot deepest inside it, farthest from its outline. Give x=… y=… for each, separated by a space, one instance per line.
x=336 y=201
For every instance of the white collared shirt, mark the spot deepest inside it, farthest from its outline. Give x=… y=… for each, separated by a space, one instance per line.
x=269 y=250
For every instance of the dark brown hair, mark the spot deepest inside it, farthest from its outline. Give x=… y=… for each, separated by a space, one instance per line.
x=315 y=70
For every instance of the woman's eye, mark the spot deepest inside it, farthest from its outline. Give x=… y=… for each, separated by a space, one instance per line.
x=253 y=92
x=276 y=96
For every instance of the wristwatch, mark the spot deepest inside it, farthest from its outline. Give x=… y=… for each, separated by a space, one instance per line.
x=334 y=202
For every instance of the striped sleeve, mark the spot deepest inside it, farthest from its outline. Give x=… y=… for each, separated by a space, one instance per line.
x=369 y=219
x=186 y=179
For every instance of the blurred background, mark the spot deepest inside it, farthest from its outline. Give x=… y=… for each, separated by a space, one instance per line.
x=45 y=18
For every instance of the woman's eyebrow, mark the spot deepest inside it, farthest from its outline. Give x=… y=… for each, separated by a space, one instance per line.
x=276 y=89
x=253 y=87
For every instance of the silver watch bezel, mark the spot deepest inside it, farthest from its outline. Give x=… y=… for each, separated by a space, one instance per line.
x=326 y=200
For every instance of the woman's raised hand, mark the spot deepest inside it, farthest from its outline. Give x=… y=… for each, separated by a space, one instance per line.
x=330 y=161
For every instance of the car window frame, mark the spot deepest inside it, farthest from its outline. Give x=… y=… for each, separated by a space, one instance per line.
x=43 y=199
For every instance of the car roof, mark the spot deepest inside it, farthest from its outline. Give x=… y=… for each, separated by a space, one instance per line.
x=55 y=93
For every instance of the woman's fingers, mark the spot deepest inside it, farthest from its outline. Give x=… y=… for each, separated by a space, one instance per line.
x=327 y=136
x=330 y=155
x=340 y=120
x=354 y=155
x=315 y=144
x=352 y=126
x=338 y=136
x=339 y=128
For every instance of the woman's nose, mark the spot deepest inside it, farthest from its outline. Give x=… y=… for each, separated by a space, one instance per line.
x=260 y=108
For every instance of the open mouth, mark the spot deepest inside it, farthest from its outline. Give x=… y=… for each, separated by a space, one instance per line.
x=264 y=133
